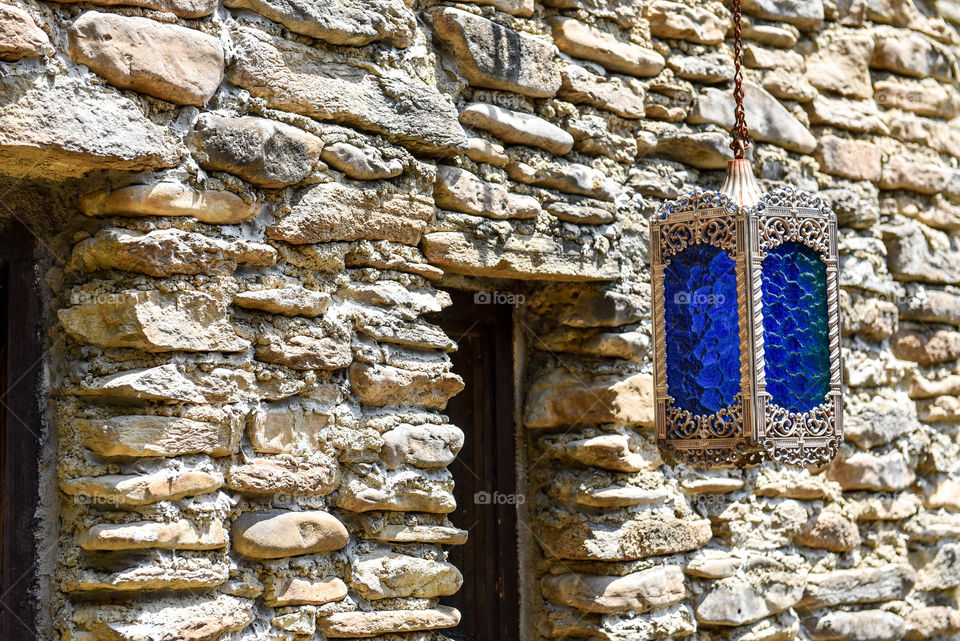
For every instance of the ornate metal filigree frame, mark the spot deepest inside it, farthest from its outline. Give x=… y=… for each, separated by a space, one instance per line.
x=752 y=427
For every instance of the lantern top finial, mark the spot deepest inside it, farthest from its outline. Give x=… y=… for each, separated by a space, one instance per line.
x=740 y=184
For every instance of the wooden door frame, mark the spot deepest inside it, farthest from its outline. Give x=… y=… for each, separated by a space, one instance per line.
x=20 y=403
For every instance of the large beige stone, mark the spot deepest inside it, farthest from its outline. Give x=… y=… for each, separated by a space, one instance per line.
x=175 y=535
x=261 y=151
x=858 y=585
x=517 y=128
x=858 y=116
x=370 y=489
x=560 y=397
x=154 y=322
x=645 y=533
x=292 y=300
x=277 y=534
x=931 y=622
x=610 y=93
x=370 y=624
x=296 y=77
x=65 y=128
x=20 y=36
x=170 y=62
x=424 y=446
x=161 y=383
x=913 y=54
x=169 y=199
x=156 y=571
x=830 y=531
x=377 y=530
x=925 y=97
x=638 y=592
x=387 y=575
x=307 y=353
x=144 y=435
x=140 y=489
x=180 y=8
x=925 y=347
x=849 y=158
x=583 y=41
x=868 y=471
x=520 y=8
x=265 y=476
x=680 y=21
x=841 y=63
x=303 y=591
x=361 y=162
x=460 y=190
x=917 y=173
x=919 y=253
x=609 y=452
x=863 y=625
x=282 y=430
x=189 y=617
x=761 y=587
x=381 y=385
x=340 y=22
x=336 y=211
x=496 y=57
x=805 y=14
x=164 y=252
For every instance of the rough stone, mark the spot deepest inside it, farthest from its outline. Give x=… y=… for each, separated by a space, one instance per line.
x=463 y=191
x=169 y=199
x=176 y=535
x=496 y=57
x=764 y=586
x=916 y=252
x=423 y=446
x=865 y=625
x=265 y=476
x=336 y=211
x=912 y=54
x=387 y=575
x=841 y=64
x=805 y=14
x=302 y=591
x=830 y=531
x=858 y=116
x=517 y=128
x=927 y=348
x=567 y=177
x=866 y=471
x=340 y=22
x=942 y=409
x=583 y=41
x=647 y=533
x=307 y=353
x=164 y=252
x=261 y=151
x=922 y=175
x=382 y=385
x=639 y=592
x=287 y=301
x=154 y=322
x=296 y=77
x=170 y=62
x=679 y=21
x=362 y=163
x=140 y=489
x=277 y=534
x=370 y=624
x=767 y=118
x=146 y=435
x=862 y=585
x=20 y=36
x=281 y=430
x=925 y=97
x=175 y=617
x=613 y=94
x=849 y=158
x=560 y=397
x=930 y=622
x=161 y=383
x=888 y=508
x=367 y=488
x=608 y=451
x=482 y=150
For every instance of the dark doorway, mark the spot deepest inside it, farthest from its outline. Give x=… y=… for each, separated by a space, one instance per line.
x=485 y=470
x=21 y=364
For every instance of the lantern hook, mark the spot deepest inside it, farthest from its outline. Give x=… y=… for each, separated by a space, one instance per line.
x=740 y=133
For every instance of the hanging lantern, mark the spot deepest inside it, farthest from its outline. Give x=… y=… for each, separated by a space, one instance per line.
x=746 y=320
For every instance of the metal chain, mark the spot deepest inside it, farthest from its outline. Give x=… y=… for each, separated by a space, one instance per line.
x=740 y=133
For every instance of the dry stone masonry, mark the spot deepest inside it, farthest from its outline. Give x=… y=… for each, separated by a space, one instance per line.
x=247 y=210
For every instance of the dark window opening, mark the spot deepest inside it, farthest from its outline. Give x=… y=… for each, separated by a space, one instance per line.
x=485 y=470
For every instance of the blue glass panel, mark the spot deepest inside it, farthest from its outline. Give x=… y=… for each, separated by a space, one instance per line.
x=795 y=340
x=703 y=342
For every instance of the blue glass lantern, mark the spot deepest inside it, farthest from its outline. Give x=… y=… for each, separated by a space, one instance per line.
x=746 y=326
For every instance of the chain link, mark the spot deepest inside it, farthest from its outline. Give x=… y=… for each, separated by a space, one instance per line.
x=740 y=133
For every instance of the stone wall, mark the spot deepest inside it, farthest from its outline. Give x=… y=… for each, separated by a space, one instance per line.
x=245 y=210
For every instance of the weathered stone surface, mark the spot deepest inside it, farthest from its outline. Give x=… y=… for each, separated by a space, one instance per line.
x=593 y=136
x=363 y=163
x=680 y=21
x=517 y=128
x=559 y=397
x=388 y=293
x=170 y=62
x=944 y=494
x=340 y=22
x=134 y=489
x=463 y=191
x=386 y=575
x=930 y=305
x=307 y=353
x=849 y=158
x=162 y=383
x=930 y=622
x=370 y=624
x=923 y=388
x=647 y=533
x=182 y=618
x=367 y=488
x=931 y=527
x=841 y=64
x=277 y=534
x=866 y=471
x=858 y=116
x=154 y=322
x=922 y=175
x=296 y=77
x=942 y=568
x=865 y=625
x=610 y=452
x=711 y=485
x=336 y=211
x=568 y=177
x=445 y=534
x=925 y=97
x=784 y=35
x=280 y=430
x=912 y=54
x=629 y=345
x=805 y=14
x=878 y=422
x=381 y=385
x=302 y=591
x=926 y=348
x=870 y=317
x=639 y=592
x=582 y=41
x=261 y=151
x=916 y=252
x=175 y=535
x=709 y=67
x=65 y=129
x=493 y=56
x=702 y=149
x=482 y=150
x=768 y=119
x=20 y=36
x=942 y=409
x=164 y=252
x=287 y=301
x=169 y=199
x=266 y=476
x=155 y=571
x=864 y=585
x=535 y=256
x=424 y=446
x=580 y=86
x=763 y=587
x=888 y=508
x=830 y=531
x=145 y=435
